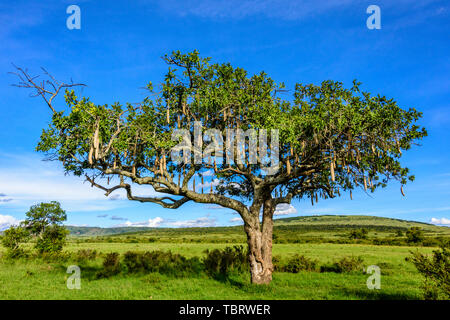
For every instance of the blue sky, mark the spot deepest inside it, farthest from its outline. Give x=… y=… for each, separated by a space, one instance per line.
x=118 y=50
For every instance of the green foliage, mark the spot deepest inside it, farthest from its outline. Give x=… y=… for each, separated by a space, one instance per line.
x=414 y=235
x=162 y=262
x=58 y=256
x=44 y=221
x=436 y=271
x=359 y=234
x=353 y=138
x=345 y=264
x=111 y=266
x=42 y=215
x=52 y=239
x=220 y=262
x=277 y=263
x=11 y=240
x=300 y=263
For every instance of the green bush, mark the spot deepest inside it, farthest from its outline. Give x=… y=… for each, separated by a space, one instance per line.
x=346 y=264
x=300 y=263
x=132 y=262
x=436 y=271
x=414 y=235
x=11 y=240
x=221 y=262
x=161 y=262
x=399 y=233
x=111 y=265
x=277 y=264
x=52 y=239
x=55 y=256
x=359 y=234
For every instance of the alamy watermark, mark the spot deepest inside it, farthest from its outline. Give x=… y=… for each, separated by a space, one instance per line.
x=231 y=149
x=374 y=281
x=374 y=20
x=74 y=281
x=74 y=20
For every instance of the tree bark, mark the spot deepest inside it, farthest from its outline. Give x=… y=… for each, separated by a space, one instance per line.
x=259 y=239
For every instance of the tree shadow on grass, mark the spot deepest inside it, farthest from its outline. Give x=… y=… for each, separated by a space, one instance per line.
x=230 y=280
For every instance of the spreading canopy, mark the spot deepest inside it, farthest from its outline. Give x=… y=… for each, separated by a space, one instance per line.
x=331 y=139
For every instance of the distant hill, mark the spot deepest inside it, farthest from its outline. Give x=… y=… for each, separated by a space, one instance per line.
x=303 y=223
x=97 y=231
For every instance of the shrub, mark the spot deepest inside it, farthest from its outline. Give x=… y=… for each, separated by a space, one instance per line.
x=221 y=262
x=84 y=255
x=132 y=262
x=52 y=239
x=57 y=256
x=346 y=264
x=111 y=265
x=44 y=221
x=436 y=271
x=300 y=263
x=11 y=240
x=277 y=263
x=358 y=234
x=161 y=262
x=414 y=235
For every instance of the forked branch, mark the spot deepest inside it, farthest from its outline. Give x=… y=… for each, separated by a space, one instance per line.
x=48 y=89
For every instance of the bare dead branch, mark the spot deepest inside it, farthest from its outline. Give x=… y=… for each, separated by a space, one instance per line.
x=48 y=89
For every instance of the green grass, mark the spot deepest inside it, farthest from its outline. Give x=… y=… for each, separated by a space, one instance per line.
x=316 y=237
x=34 y=279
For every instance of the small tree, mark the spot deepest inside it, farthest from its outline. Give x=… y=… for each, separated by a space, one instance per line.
x=436 y=271
x=414 y=235
x=44 y=221
x=12 y=238
x=52 y=240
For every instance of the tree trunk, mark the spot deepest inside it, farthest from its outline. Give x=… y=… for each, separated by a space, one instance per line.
x=259 y=239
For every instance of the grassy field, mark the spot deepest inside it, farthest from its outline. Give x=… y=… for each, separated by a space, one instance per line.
x=39 y=280
x=36 y=279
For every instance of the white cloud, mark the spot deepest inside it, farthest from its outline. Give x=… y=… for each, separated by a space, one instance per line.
x=7 y=221
x=200 y=222
x=208 y=173
x=442 y=221
x=4 y=198
x=284 y=209
x=78 y=225
x=207 y=184
x=153 y=223
x=159 y=222
x=237 y=219
x=26 y=180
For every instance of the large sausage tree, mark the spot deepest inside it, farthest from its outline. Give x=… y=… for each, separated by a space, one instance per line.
x=326 y=140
